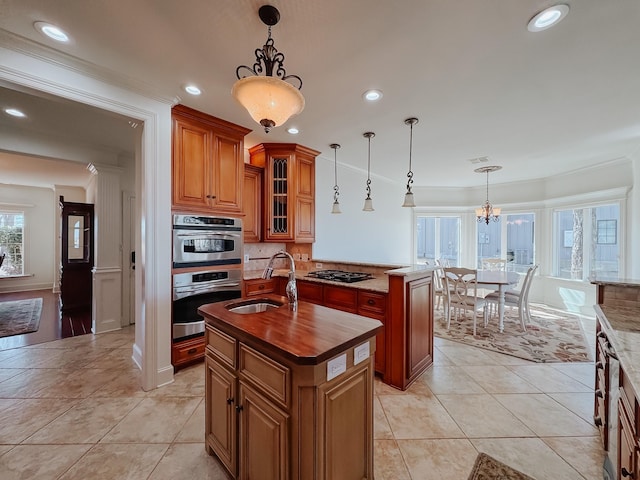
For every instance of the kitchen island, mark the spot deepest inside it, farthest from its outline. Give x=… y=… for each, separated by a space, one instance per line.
x=289 y=394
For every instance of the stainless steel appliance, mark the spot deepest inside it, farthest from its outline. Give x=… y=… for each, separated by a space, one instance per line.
x=193 y=289
x=200 y=240
x=340 y=276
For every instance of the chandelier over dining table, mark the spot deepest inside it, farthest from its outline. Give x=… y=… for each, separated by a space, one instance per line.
x=488 y=212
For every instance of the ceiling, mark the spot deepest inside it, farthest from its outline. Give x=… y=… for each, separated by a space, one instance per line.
x=538 y=104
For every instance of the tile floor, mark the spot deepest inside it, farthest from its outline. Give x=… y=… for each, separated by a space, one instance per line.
x=72 y=409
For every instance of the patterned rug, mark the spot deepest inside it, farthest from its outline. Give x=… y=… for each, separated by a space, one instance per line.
x=488 y=468
x=20 y=316
x=552 y=335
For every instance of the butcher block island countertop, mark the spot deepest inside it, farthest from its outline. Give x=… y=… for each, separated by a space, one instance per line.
x=289 y=394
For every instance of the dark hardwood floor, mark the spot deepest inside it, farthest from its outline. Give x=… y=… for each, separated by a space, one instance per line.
x=53 y=325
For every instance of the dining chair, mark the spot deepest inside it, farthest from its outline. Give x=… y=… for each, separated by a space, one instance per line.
x=461 y=287
x=494 y=264
x=517 y=299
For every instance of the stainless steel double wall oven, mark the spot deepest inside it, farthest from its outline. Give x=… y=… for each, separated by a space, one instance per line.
x=211 y=249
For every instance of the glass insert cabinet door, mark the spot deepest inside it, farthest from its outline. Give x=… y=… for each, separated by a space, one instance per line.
x=78 y=245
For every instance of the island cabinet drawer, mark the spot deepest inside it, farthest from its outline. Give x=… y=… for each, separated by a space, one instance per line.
x=629 y=400
x=340 y=298
x=187 y=351
x=259 y=286
x=221 y=345
x=269 y=376
x=372 y=303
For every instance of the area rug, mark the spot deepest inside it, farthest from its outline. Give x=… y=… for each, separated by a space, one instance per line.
x=488 y=468
x=552 y=335
x=20 y=316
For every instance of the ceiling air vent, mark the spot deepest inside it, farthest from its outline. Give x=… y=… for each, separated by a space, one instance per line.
x=479 y=160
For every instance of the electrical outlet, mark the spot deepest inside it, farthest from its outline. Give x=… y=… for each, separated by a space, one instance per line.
x=296 y=257
x=318 y=265
x=305 y=257
x=246 y=258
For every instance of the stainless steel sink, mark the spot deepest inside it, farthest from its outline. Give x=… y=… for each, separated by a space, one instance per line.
x=253 y=306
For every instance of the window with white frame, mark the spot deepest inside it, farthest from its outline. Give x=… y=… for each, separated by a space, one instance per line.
x=511 y=238
x=438 y=238
x=586 y=242
x=11 y=243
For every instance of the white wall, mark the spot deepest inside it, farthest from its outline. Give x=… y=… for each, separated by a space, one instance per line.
x=383 y=236
x=39 y=235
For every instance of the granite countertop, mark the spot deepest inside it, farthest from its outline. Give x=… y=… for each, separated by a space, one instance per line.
x=622 y=327
x=308 y=336
x=379 y=283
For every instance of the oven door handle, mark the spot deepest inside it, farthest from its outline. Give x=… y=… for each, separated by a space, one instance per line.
x=207 y=233
x=190 y=292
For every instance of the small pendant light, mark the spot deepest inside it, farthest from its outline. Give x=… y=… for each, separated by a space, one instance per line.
x=368 y=202
x=336 y=193
x=408 y=197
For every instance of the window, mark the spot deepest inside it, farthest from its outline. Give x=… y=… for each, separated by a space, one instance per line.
x=513 y=234
x=11 y=243
x=586 y=242
x=438 y=238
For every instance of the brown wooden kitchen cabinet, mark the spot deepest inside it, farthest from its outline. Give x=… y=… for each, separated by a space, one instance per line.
x=270 y=417
x=260 y=286
x=252 y=204
x=289 y=191
x=207 y=163
x=186 y=352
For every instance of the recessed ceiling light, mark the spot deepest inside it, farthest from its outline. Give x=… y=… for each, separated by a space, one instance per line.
x=372 y=95
x=293 y=130
x=547 y=18
x=14 y=112
x=51 y=31
x=192 y=90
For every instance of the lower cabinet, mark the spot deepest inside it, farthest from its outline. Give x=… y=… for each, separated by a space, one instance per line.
x=272 y=419
x=187 y=352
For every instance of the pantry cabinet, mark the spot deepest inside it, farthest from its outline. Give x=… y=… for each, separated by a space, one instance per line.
x=207 y=163
x=289 y=191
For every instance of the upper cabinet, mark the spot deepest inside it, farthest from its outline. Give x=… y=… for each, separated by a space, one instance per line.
x=289 y=191
x=252 y=225
x=208 y=162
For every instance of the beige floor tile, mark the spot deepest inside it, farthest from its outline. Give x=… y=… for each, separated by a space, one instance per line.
x=466 y=355
x=483 y=416
x=188 y=461
x=504 y=359
x=28 y=383
x=22 y=418
x=193 y=430
x=115 y=462
x=86 y=422
x=447 y=379
x=39 y=462
x=387 y=461
x=585 y=454
x=79 y=384
x=439 y=358
x=579 y=403
x=549 y=379
x=529 y=455
x=153 y=420
x=499 y=379
x=117 y=358
x=5 y=448
x=380 y=388
x=582 y=372
x=411 y=416
x=126 y=384
x=187 y=382
x=381 y=428
x=438 y=459
x=545 y=416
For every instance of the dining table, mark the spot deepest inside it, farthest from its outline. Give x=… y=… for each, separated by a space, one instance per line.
x=499 y=281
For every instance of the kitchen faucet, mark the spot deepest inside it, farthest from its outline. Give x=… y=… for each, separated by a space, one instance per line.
x=292 y=289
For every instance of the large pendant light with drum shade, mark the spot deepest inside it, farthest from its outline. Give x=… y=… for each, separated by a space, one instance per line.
x=368 y=202
x=269 y=99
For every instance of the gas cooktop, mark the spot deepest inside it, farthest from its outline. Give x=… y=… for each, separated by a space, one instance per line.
x=340 y=276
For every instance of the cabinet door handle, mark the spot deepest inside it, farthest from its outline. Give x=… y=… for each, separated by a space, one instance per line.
x=599 y=393
x=211 y=196
x=599 y=365
x=229 y=401
x=597 y=421
x=191 y=351
x=626 y=473
x=261 y=287
x=371 y=301
x=238 y=408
